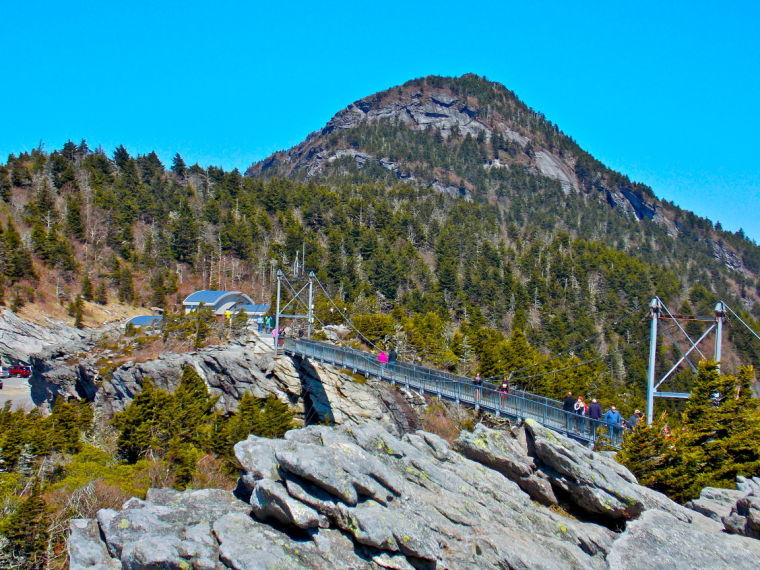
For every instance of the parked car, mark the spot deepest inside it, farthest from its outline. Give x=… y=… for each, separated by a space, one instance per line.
x=4 y=373
x=20 y=370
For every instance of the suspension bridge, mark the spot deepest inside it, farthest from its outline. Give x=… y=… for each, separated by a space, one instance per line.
x=515 y=404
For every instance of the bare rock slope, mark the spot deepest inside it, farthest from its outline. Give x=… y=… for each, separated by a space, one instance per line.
x=318 y=393
x=361 y=497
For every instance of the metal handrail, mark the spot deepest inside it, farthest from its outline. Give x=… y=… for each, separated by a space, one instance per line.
x=517 y=404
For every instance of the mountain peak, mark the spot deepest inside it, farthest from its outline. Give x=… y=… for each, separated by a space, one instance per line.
x=453 y=133
x=474 y=139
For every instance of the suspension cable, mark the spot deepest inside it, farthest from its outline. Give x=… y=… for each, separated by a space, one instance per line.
x=342 y=314
x=572 y=348
x=749 y=328
x=583 y=363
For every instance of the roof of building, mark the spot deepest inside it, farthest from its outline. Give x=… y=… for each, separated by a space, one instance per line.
x=208 y=297
x=144 y=320
x=253 y=308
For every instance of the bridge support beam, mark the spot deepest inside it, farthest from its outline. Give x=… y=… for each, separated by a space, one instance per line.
x=720 y=313
x=654 y=314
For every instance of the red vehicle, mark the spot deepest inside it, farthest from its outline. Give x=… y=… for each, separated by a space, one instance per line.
x=19 y=370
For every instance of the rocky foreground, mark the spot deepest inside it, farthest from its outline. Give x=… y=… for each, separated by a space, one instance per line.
x=361 y=497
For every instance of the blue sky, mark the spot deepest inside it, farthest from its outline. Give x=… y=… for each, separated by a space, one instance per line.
x=666 y=92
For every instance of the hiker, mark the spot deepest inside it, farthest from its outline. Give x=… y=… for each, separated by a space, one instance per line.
x=612 y=419
x=260 y=323
x=382 y=358
x=392 y=357
x=634 y=420
x=504 y=390
x=594 y=410
x=579 y=408
x=567 y=405
x=477 y=382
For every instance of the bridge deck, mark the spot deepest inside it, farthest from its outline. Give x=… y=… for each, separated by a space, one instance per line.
x=517 y=405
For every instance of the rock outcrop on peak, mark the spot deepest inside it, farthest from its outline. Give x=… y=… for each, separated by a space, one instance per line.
x=361 y=497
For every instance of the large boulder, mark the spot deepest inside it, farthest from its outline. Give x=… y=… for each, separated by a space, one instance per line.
x=744 y=517
x=659 y=540
x=359 y=496
x=554 y=469
x=168 y=529
x=748 y=485
x=715 y=503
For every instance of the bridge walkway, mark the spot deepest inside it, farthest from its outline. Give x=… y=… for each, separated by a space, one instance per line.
x=517 y=405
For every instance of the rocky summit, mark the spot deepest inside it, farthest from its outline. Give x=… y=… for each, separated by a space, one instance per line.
x=361 y=497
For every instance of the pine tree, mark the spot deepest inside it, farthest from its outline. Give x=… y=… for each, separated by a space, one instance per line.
x=718 y=439
x=178 y=166
x=101 y=295
x=125 y=286
x=193 y=405
x=144 y=426
x=78 y=312
x=86 y=287
x=74 y=217
x=27 y=530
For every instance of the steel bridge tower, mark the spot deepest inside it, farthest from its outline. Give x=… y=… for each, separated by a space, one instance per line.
x=657 y=312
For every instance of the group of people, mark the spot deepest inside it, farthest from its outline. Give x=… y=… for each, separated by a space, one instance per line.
x=264 y=322
x=593 y=410
x=387 y=358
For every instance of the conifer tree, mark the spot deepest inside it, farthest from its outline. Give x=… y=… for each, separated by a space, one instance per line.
x=193 y=405
x=101 y=295
x=178 y=166
x=718 y=439
x=74 y=217
x=142 y=426
x=27 y=530
x=78 y=312
x=86 y=287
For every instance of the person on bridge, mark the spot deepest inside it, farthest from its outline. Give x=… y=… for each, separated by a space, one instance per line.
x=477 y=382
x=504 y=390
x=612 y=419
x=635 y=419
x=567 y=405
x=382 y=358
x=392 y=356
x=579 y=408
x=594 y=410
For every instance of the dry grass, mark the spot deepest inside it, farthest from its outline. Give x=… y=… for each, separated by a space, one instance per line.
x=212 y=473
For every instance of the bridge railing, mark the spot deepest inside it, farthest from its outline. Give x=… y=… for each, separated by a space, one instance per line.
x=516 y=404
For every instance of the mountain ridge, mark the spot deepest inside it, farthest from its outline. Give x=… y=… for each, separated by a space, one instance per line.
x=503 y=133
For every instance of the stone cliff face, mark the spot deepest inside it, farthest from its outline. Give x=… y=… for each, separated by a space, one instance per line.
x=317 y=393
x=360 y=497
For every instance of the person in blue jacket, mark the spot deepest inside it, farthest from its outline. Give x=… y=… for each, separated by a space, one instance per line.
x=612 y=419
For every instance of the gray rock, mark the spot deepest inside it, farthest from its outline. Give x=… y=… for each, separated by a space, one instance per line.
x=271 y=501
x=594 y=483
x=507 y=454
x=169 y=529
x=22 y=339
x=748 y=485
x=715 y=503
x=744 y=518
x=85 y=548
x=658 y=539
x=246 y=544
x=361 y=497
x=318 y=393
